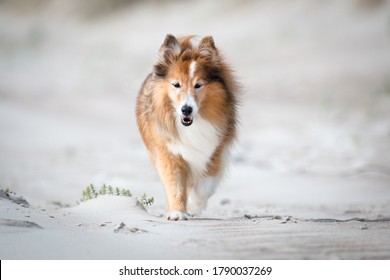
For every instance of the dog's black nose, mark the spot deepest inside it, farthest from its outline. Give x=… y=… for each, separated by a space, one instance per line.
x=186 y=110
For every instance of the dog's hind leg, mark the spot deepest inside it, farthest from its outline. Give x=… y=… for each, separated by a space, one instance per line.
x=205 y=186
x=200 y=193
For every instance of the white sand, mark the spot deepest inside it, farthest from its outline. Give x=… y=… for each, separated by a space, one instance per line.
x=314 y=139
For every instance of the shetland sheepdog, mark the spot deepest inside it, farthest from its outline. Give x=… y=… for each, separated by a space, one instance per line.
x=187 y=116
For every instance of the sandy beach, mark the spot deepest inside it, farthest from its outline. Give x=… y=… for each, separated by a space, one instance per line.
x=309 y=175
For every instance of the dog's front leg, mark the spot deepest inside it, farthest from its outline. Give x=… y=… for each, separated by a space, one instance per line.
x=173 y=173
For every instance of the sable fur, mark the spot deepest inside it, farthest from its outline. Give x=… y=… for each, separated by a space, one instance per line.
x=190 y=159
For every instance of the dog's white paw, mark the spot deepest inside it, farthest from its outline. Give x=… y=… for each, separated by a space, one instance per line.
x=176 y=216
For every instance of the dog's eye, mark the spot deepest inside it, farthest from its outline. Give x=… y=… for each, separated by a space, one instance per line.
x=198 y=85
x=176 y=85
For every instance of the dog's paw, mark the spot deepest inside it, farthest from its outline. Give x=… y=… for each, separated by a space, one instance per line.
x=176 y=216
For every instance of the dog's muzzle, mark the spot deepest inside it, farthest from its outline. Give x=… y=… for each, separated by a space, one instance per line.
x=186 y=118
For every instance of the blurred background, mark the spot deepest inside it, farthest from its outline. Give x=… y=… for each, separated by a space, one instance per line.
x=315 y=103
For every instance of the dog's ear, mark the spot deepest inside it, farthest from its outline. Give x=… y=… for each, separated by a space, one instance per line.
x=169 y=50
x=207 y=47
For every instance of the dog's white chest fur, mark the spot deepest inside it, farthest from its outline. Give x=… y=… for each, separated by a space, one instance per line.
x=196 y=143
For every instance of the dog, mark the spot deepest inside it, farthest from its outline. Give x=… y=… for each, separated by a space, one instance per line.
x=187 y=117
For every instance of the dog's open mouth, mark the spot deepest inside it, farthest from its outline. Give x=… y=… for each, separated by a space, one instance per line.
x=186 y=121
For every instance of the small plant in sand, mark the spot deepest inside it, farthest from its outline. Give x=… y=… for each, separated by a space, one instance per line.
x=146 y=200
x=91 y=192
x=9 y=192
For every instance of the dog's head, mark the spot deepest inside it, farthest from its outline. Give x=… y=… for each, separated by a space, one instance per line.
x=189 y=71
